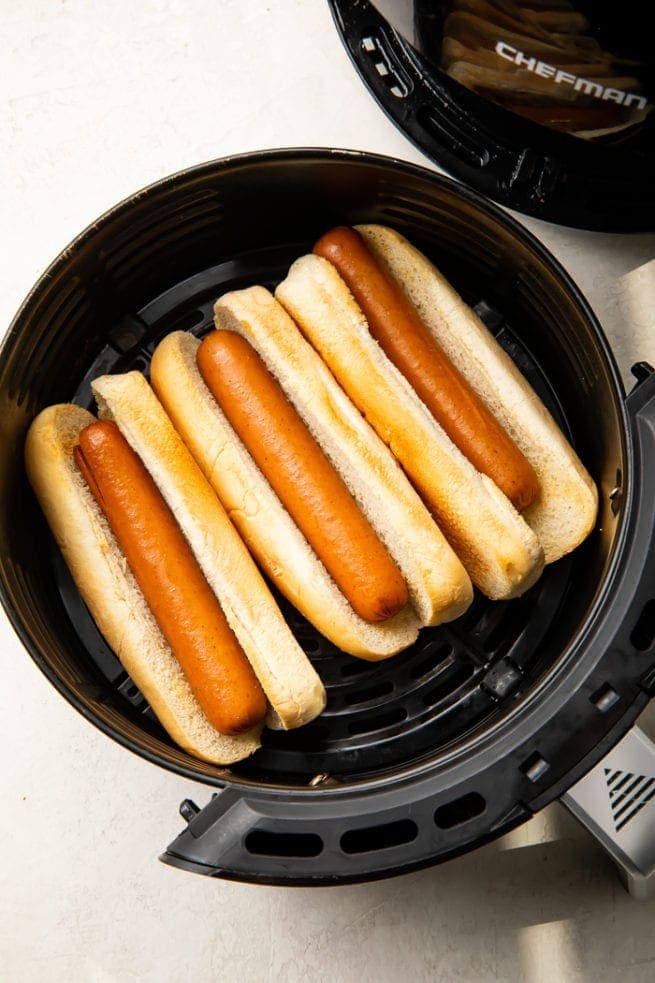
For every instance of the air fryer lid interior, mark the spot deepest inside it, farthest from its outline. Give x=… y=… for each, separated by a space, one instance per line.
x=155 y=264
x=546 y=107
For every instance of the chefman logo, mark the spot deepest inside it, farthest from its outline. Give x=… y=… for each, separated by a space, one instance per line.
x=558 y=75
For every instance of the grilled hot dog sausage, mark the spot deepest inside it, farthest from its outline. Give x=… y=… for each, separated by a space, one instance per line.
x=181 y=600
x=397 y=327
x=302 y=476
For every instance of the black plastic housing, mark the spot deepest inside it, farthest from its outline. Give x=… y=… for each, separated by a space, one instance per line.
x=482 y=721
x=507 y=157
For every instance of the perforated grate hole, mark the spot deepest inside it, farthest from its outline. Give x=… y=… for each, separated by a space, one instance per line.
x=458 y=678
x=509 y=626
x=354 y=668
x=394 y=715
x=369 y=693
x=308 y=736
x=442 y=656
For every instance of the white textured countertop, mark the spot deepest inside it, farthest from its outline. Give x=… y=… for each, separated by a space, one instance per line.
x=97 y=101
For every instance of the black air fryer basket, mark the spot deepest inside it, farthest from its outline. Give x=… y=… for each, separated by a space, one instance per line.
x=481 y=722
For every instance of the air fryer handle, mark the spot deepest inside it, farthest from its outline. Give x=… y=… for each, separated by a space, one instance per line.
x=326 y=835
x=213 y=841
x=243 y=835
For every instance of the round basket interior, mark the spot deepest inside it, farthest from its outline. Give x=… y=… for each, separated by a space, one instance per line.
x=156 y=263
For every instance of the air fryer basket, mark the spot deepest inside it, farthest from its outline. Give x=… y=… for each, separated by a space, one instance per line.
x=508 y=157
x=479 y=723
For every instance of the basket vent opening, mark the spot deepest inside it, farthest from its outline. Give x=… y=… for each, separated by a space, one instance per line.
x=394 y=715
x=369 y=692
x=643 y=633
x=381 y=837
x=354 y=668
x=442 y=657
x=507 y=629
x=460 y=811
x=460 y=676
x=266 y=843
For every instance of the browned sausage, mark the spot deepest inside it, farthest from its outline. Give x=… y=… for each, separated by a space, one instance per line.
x=181 y=600
x=301 y=475
x=399 y=330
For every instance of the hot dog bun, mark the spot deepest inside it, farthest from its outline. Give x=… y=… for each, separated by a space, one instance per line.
x=292 y=686
x=565 y=512
x=437 y=583
x=110 y=590
x=498 y=549
x=175 y=588
x=301 y=475
x=396 y=326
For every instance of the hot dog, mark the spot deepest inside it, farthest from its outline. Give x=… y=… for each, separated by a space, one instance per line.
x=502 y=552
x=499 y=551
x=435 y=583
x=397 y=327
x=301 y=475
x=181 y=600
x=181 y=567
x=565 y=511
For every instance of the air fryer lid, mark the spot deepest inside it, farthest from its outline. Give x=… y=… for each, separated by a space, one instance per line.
x=544 y=105
x=463 y=735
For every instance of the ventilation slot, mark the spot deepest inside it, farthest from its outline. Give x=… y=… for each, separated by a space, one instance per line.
x=187 y=321
x=376 y=722
x=460 y=811
x=628 y=795
x=309 y=736
x=370 y=693
x=643 y=633
x=447 y=687
x=265 y=843
x=443 y=128
x=355 y=668
x=379 y=837
x=441 y=658
x=507 y=629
